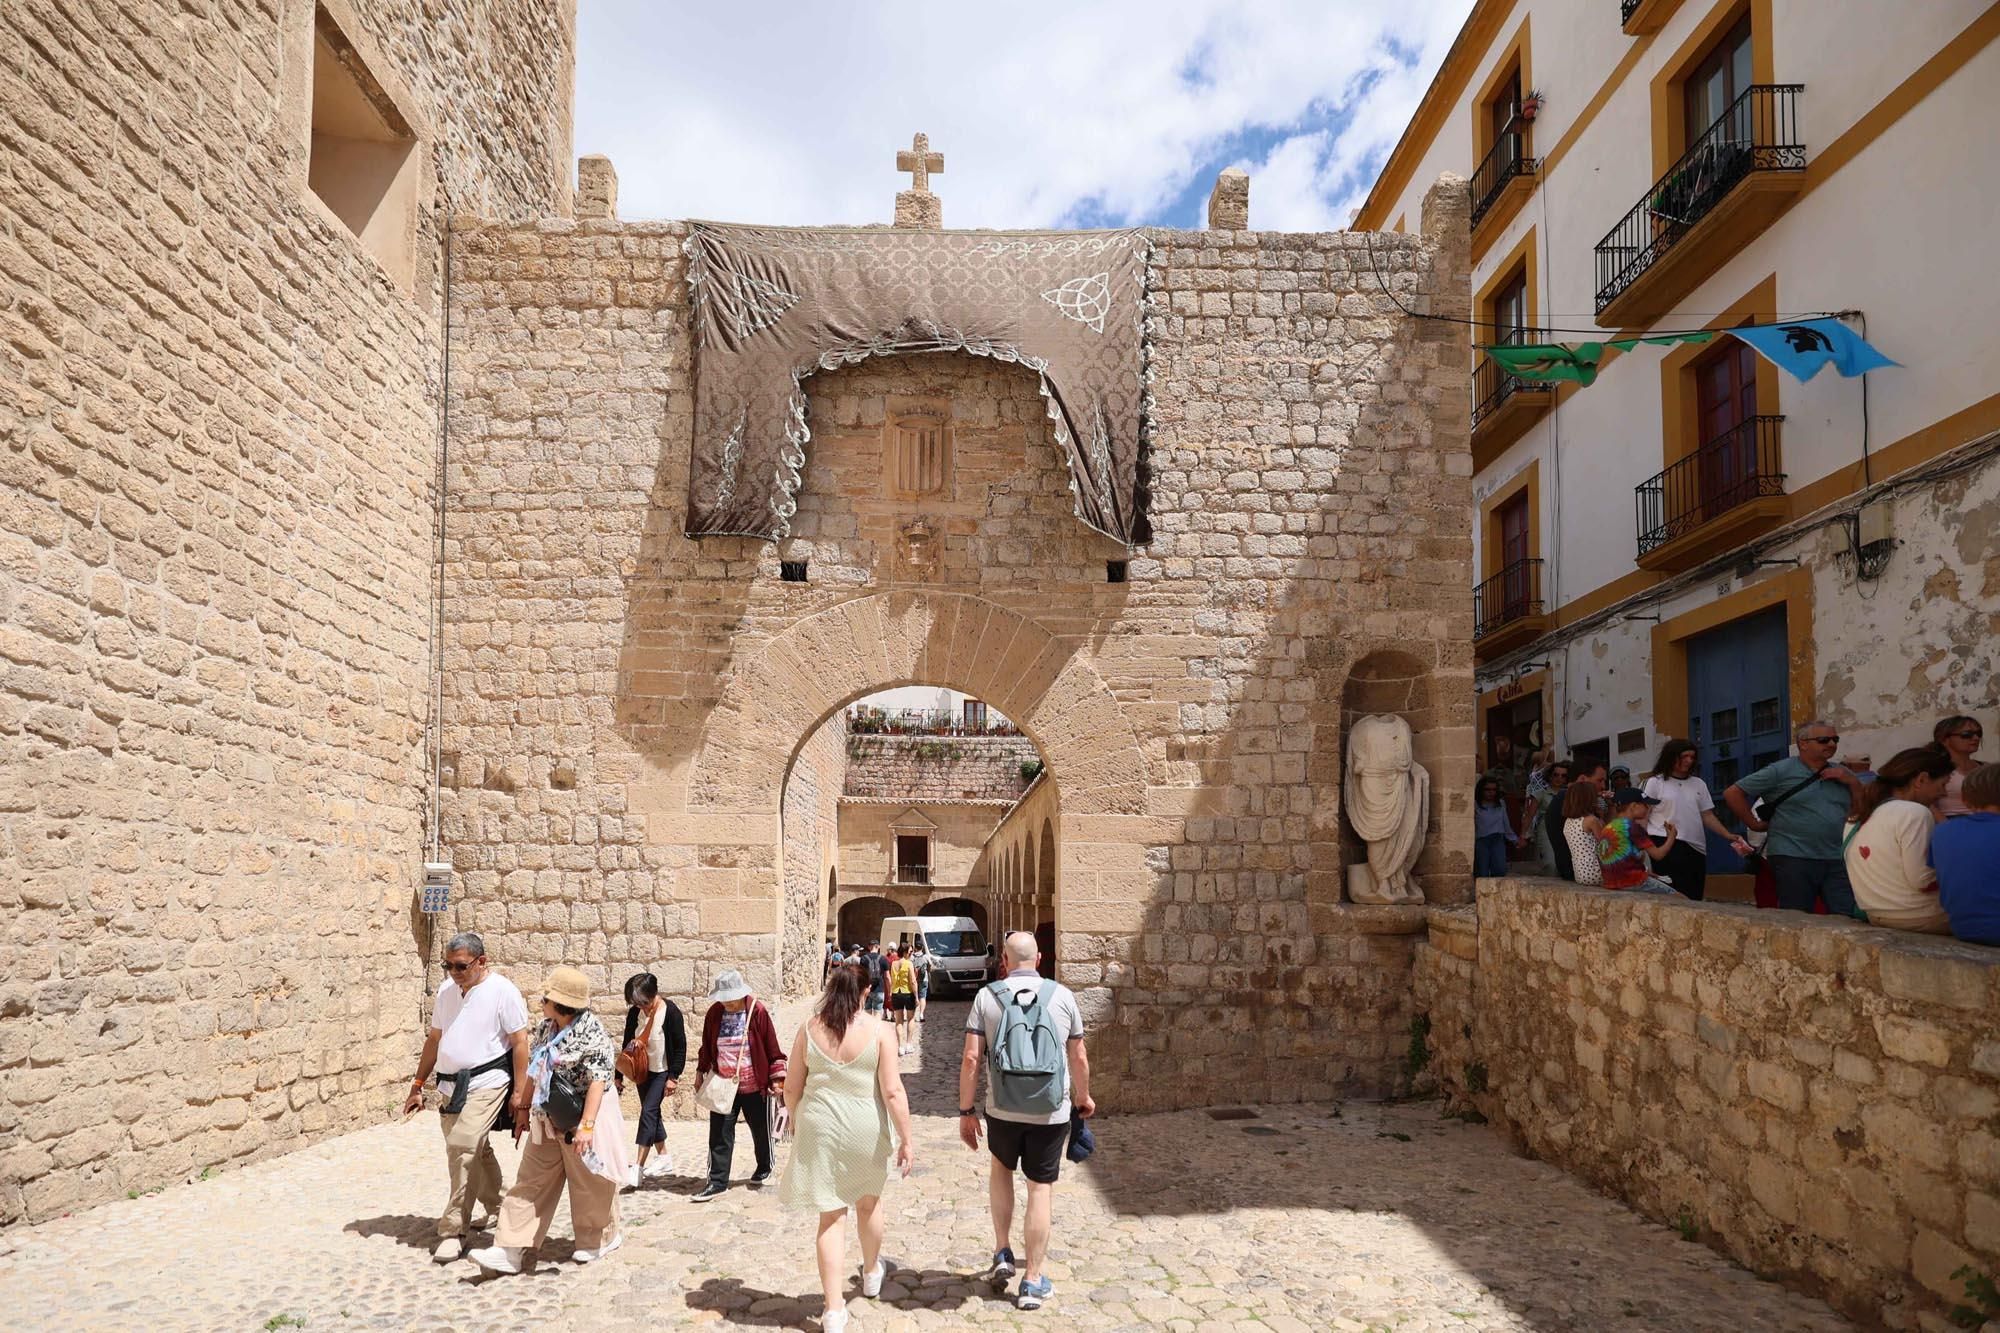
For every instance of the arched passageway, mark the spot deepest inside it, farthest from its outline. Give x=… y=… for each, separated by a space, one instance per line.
x=959 y=907
x=861 y=920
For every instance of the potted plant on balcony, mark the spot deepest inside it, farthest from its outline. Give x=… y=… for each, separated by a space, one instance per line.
x=1531 y=104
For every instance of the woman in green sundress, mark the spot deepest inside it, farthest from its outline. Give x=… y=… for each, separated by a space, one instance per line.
x=841 y=1101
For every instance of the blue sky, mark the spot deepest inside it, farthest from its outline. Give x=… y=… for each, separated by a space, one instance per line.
x=1048 y=114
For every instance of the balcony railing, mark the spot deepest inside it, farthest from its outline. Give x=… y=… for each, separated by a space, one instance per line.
x=1513 y=593
x=1759 y=132
x=1493 y=384
x=1626 y=9
x=913 y=874
x=1507 y=160
x=1740 y=465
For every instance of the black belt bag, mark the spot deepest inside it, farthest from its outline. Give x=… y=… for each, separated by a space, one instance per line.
x=564 y=1105
x=462 y=1083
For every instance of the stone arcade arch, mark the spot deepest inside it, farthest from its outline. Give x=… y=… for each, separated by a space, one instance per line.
x=1045 y=897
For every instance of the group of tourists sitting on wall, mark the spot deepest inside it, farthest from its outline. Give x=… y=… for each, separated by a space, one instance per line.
x=838 y=1095
x=1914 y=845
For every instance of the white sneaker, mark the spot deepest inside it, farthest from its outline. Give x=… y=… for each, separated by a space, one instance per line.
x=833 y=1321
x=632 y=1177
x=486 y=1219
x=592 y=1256
x=656 y=1167
x=871 y=1281
x=498 y=1258
x=448 y=1249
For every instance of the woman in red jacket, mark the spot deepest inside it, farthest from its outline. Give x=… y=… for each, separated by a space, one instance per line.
x=740 y=1061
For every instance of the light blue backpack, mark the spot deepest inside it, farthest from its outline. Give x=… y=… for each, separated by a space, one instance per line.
x=1026 y=1067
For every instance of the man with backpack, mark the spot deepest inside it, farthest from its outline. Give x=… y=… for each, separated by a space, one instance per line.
x=1028 y=1032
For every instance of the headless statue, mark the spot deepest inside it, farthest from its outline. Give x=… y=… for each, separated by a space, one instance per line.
x=1388 y=800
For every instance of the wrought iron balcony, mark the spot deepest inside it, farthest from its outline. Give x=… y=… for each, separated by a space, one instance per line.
x=1507 y=161
x=1493 y=384
x=1626 y=9
x=1759 y=132
x=913 y=875
x=1738 y=467
x=1512 y=595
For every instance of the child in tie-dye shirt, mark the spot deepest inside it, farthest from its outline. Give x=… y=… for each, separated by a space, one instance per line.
x=1625 y=848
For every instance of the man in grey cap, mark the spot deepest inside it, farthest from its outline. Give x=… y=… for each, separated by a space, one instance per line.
x=740 y=1049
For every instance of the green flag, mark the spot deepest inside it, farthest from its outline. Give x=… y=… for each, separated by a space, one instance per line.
x=1663 y=339
x=1550 y=361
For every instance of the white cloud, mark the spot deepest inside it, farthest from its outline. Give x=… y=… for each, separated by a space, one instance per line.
x=792 y=112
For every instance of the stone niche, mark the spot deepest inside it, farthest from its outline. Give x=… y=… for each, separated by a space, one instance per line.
x=1399 y=682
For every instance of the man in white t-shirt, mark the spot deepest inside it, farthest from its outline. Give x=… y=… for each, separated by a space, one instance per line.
x=478 y=1038
x=1032 y=1142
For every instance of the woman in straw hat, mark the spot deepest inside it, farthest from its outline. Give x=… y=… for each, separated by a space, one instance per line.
x=576 y=1134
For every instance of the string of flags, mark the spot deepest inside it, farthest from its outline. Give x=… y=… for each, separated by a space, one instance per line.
x=1800 y=348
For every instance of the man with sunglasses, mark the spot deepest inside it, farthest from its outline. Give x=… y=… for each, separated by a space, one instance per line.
x=478 y=1039
x=1807 y=803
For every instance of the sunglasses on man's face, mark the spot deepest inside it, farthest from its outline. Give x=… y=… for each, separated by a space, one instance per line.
x=1820 y=740
x=459 y=967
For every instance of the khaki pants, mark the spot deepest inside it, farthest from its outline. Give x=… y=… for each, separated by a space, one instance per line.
x=546 y=1164
x=469 y=1159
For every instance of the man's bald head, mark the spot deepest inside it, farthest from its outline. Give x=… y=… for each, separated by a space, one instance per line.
x=1020 y=950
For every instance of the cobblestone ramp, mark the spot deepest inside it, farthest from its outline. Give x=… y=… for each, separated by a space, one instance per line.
x=1302 y=1219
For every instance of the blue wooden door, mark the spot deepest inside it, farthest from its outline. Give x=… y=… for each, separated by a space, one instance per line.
x=1739 y=711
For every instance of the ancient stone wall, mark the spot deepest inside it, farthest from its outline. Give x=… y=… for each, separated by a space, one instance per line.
x=1310 y=494
x=1815 y=1097
x=218 y=436
x=811 y=855
x=939 y=768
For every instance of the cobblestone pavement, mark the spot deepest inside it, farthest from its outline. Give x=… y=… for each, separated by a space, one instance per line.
x=1303 y=1219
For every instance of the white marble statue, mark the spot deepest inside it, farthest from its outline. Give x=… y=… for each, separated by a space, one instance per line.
x=1388 y=800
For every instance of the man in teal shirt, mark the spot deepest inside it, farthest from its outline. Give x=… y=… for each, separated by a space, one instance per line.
x=1808 y=801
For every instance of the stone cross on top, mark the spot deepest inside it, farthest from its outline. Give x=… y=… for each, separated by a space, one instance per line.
x=917 y=206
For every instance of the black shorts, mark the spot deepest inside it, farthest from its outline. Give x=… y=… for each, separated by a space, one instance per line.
x=902 y=1002
x=1036 y=1151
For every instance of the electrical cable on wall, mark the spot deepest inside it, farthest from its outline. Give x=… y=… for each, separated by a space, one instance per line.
x=1968 y=456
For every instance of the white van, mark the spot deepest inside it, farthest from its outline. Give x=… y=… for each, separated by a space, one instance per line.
x=958 y=949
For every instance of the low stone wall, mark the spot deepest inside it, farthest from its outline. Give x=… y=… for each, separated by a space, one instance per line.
x=1818 y=1098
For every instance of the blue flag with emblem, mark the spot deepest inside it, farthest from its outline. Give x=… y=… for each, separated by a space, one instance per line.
x=1803 y=346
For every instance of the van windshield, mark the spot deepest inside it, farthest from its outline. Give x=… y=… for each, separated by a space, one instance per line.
x=955 y=943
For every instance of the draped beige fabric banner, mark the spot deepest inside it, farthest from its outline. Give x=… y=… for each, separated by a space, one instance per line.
x=774 y=305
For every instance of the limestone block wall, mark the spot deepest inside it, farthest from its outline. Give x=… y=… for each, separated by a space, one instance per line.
x=1309 y=489
x=218 y=437
x=938 y=768
x=811 y=818
x=1816 y=1097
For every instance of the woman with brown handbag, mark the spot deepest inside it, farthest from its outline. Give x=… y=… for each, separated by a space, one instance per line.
x=651 y=1057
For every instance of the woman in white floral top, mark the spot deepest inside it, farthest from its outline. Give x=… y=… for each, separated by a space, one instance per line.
x=571 y=1053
